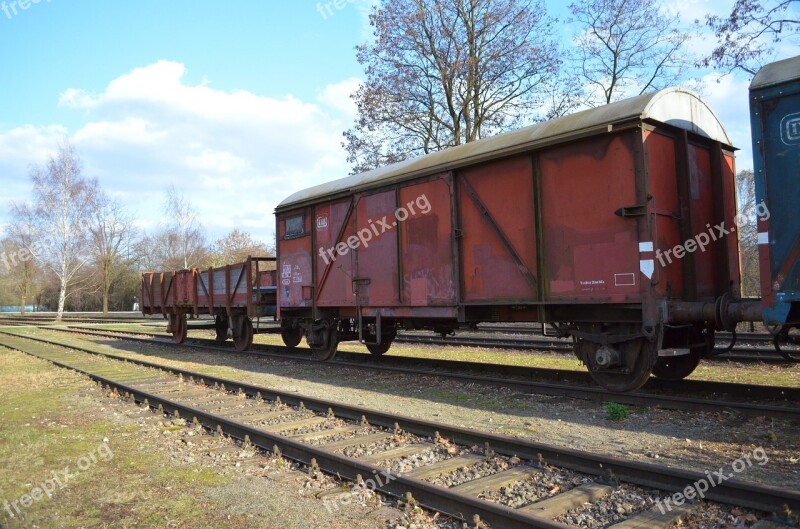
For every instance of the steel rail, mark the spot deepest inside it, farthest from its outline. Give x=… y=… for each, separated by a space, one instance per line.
x=545 y=388
x=746 y=391
x=732 y=491
x=435 y=498
x=738 y=354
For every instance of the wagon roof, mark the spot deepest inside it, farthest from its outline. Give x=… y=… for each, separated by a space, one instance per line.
x=673 y=106
x=777 y=73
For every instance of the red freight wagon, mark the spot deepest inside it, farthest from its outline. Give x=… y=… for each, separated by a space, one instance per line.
x=234 y=294
x=581 y=222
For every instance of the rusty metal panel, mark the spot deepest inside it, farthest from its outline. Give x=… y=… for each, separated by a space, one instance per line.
x=152 y=296
x=333 y=224
x=267 y=278
x=295 y=260
x=701 y=196
x=228 y=286
x=184 y=286
x=426 y=244
x=731 y=209
x=498 y=232
x=591 y=253
x=374 y=246
x=662 y=169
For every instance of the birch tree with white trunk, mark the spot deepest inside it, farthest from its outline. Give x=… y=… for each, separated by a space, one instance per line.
x=63 y=204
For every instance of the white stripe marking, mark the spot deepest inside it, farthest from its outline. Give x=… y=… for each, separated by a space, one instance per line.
x=763 y=238
x=645 y=246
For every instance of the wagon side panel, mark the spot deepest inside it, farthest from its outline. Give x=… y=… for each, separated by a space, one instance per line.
x=333 y=223
x=151 y=293
x=592 y=253
x=662 y=161
x=498 y=232
x=295 y=260
x=376 y=275
x=701 y=197
x=731 y=249
x=427 y=267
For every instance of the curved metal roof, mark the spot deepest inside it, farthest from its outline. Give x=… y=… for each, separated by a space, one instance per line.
x=777 y=73
x=673 y=106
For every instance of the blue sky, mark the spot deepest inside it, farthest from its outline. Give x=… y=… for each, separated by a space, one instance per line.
x=267 y=47
x=238 y=104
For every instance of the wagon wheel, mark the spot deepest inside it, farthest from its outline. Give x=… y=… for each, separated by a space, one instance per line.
x=179 y=328
x=787 y=343
x=638 y=357
x=677 y=367
x=378 y=349
x=291 y=335
x=328 y=351
x=221 y=326
x=244 y=341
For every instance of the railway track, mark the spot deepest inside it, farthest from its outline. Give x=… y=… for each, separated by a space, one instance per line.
x=438 y=466
x=749 y=346
x=769 y=401
x=560 y=345
x=16 y=321
x=759 y=349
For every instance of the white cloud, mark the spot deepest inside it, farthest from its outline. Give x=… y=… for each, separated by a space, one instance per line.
x=20 y=149
x=337 y=97
x=234 y=154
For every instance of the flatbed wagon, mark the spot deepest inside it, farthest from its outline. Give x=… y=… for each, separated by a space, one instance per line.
x=234 y=295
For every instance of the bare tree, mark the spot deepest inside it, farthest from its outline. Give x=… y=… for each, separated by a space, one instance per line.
x=748 y=34
x=19 y=254
x=748 y=233
x=626 y=47
x=447 y=72
x=185 y=235
x=19 y=270
x=236 y=247
x=63 y=202
x=111 y=232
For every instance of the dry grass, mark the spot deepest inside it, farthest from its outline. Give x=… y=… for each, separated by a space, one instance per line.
x=49 y=419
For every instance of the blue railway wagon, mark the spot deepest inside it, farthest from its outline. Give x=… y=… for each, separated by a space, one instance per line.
x=775 y=119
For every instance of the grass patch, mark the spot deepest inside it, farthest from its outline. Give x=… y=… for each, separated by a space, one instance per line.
x=52 y=420
x=616 y=412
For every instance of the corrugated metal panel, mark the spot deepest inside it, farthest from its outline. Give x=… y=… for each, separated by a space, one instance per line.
x=672 y=106
x=777 y=73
